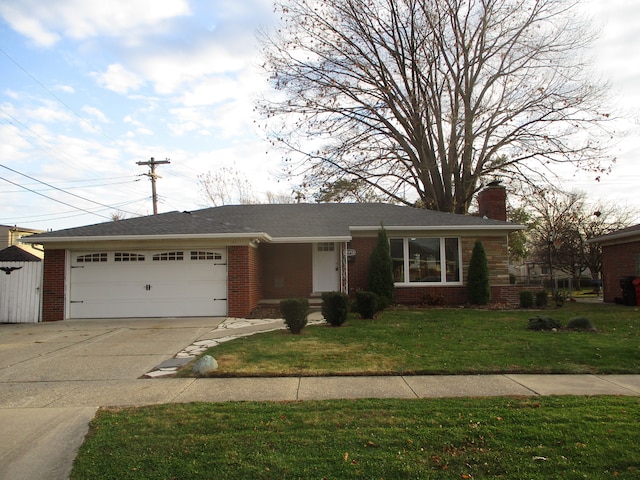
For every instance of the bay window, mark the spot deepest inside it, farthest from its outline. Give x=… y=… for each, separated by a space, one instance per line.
x=426 y=260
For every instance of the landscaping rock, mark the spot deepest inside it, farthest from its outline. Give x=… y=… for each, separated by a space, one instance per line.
x=205 y=365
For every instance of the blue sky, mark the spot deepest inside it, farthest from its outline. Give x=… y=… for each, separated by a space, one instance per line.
x=89 y=88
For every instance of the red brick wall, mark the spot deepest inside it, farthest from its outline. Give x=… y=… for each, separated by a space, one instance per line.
x=243 y=280
x=492 y=203
x=53 y=286
x=287 y=270
x=618 y=261
x=359 y=268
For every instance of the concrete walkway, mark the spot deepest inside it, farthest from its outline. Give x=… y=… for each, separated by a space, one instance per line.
x=54 y=377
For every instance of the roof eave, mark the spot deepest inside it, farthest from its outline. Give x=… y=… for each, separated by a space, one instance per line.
x=612 y=237
x=340 y=238
x=434 y=228
x=259 y=236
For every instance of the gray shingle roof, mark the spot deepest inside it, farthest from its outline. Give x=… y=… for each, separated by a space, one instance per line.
x=321 y=220
x=632 y=232
x=17 y=254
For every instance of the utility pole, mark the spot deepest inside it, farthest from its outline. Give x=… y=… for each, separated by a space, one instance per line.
x=153 y=176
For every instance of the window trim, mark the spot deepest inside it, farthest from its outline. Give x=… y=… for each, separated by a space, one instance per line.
x=443 y=263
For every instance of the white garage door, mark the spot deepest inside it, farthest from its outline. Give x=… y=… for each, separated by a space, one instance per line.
x=176 y=283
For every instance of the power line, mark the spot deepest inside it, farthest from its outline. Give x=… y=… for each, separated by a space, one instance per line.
x=51 y=198
x=83 y=120
x=55 y=188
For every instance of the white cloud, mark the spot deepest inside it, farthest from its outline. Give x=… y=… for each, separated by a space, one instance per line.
x=65 y=88
x=96 y=113
x=46 y=22
x=118 y=79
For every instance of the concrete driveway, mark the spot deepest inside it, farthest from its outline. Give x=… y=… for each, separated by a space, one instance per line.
x=54 y=376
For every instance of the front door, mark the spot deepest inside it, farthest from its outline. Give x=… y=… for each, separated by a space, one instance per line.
x=326 y=267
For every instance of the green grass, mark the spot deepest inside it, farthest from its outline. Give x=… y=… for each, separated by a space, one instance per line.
x=509 y=438
x=442 y=341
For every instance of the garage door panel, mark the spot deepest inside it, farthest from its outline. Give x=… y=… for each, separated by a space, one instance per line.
x=102 y=288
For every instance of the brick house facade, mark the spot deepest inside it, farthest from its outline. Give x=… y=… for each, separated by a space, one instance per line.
x=620 y=258
x=267 y=253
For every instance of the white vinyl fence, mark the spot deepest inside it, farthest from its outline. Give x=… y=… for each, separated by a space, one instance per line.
x=20 y=292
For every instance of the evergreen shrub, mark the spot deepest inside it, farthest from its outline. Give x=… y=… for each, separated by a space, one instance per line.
x=335 y=307
x=526 y=299
x=368 y=304
x=544 y=323
x=381 y=269
x=582 y=324
x=541 y=298
x=478 y=288
x=295 y=312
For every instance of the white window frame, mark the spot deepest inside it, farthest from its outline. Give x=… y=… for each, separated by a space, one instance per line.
x=443 y=263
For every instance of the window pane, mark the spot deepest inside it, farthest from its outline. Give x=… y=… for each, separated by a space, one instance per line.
x=452 y=259
x=424 y=260
x=397 y=257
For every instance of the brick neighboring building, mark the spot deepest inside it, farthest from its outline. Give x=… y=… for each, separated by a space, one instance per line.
x=620 y=258
x=225 y=261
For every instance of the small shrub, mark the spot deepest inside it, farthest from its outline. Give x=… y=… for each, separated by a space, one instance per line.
x=295 y=312
x=543 y=323
x=559 y=297
x=368 y=304
x=581 y=324
x=512 y=279
x=526 y=299
x=335 y=307
x=541 y=298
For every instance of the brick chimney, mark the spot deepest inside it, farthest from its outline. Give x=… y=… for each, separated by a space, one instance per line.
x=492 y=202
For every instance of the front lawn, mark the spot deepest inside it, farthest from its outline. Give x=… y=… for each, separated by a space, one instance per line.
x=442 y=341
x=476 y=438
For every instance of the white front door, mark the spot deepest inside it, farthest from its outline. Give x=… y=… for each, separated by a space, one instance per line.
x=326 y=267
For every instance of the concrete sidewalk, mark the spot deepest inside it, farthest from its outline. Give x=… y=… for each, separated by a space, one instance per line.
x=53 y=378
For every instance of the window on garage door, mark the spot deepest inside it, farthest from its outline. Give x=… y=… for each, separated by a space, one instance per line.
x=203 y=255
x=92 y=257
x=128 y=257
x=168 y=257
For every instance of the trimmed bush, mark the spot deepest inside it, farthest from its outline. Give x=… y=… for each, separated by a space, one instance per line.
x=335 y=307
x=581 y=324
x=526 y=299
x=541 y=298
x=544 y=323
x=295 y=312
x=478 y=289
x=367 y=304
x=381 y=269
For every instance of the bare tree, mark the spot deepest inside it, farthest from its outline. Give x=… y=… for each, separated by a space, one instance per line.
x=227 y=185
x=561 y=223
x=427 y=98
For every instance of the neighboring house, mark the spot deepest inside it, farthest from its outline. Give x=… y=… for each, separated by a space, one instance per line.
x=20 y=286
x=225 y=261
x=10 y=236
x=620 y=260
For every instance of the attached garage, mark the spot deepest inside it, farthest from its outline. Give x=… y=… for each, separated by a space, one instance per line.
x=147 y=283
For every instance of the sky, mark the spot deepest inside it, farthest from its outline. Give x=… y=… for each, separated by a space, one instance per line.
x=89 y=88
